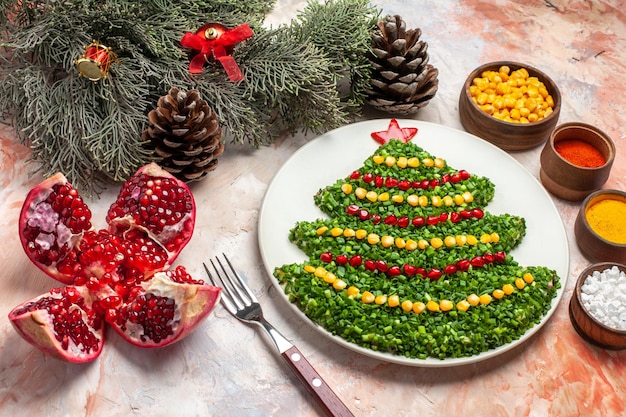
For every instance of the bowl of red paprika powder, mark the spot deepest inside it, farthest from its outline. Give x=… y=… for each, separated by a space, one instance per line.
x=600 y=227
x=576 y=161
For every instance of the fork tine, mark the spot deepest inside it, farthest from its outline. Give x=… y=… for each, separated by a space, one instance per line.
x=240 y=281
x=226 y=298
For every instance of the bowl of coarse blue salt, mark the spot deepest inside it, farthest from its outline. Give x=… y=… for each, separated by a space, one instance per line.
x=598 y=305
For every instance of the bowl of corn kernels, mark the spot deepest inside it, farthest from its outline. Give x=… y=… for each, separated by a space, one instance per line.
x=510 y=104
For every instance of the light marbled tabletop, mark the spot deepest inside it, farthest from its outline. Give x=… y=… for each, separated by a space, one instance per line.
x=228 y=369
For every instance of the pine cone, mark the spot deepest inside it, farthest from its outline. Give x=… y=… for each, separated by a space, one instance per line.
x=185 y=135
x=402 y=80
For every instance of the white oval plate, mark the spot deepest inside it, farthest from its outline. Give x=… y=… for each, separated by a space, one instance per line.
x=334 y=155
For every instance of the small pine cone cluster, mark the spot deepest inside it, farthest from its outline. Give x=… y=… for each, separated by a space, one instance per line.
x=185 y=134
x=402 y=80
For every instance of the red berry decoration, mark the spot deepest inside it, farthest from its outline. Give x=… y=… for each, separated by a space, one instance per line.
x=119 y=275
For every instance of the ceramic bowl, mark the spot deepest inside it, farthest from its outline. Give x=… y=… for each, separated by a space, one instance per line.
x=507 y=135
x=590 y=328
x=590 y=242
x=567 y=180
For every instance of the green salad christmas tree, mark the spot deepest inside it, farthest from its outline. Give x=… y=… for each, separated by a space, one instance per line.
x=411 y=263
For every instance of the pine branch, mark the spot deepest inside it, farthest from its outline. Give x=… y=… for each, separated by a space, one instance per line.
x=92 y=131
x=341 y=29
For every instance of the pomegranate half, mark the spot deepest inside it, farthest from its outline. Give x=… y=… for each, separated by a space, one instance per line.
x=119 y=275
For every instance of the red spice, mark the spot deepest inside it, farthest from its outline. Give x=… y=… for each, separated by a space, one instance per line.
x=580 y=153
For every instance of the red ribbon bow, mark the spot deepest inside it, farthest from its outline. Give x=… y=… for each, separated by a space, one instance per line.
x=215 y=41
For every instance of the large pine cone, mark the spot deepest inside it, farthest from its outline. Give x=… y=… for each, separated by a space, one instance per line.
x=402 y=80
x=185 y=135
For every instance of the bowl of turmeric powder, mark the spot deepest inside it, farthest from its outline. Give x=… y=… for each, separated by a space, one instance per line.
x=576 y=160
x=600 y=226
x=510 y=104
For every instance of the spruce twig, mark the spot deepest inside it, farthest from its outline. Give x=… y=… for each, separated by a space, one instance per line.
x=92 y=131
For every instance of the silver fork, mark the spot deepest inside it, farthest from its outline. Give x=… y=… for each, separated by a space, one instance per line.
x=239 y=300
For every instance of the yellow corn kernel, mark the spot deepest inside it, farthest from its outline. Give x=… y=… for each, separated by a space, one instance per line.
x=413 y=162
x=372 y=196
x=515 y=114
x=524 y=112
x=432 y=306
x=367 y=297
x=393 y=301
x=428 y=162
x=422 y=244
x=410 y=245
x=419 y=307
x=484 y=299
x=436 y=201
x=495 y=237
x=440 y=163
x=485 y=238
x=531 y=104
x=387 y=241
x=348 y=232
x=397 y=198
x=373 y=239
x=378 y=159
x=352 y=291
x=436 y=242
x=458 y=199
x=460 y=240
x=329 y=277
x=322 y=230
x=482 y=98
x=402 y=162
x=548 y=112
x=487 y=108
x=481 y=83
x=473 y=299
x=508 y=289
x=468 y=197
x=532 y=92
x=360 y=234
x=383 y=197
x=360 y=193
x=463 y=305
x=400 y=243
x=445 y=305
x=448 y=201
x=449 y=241
x=422 y=200
x=309 y=268
x=390 y=161
x=497 y=294
x=413 y=200
x=346 y=188
x=336 y=231
x=320 y=272
x=528 y=278
x=380 y=299
x=471 y=240
x=519 y=283
x=407 y=305
x=339 y=284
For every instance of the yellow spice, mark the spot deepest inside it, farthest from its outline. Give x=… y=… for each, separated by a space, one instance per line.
x=608 y=219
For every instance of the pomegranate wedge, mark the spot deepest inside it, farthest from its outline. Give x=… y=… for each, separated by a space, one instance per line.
x=119 y=275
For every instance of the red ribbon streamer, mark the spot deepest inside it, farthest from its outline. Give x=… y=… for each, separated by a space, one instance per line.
x=216 y=42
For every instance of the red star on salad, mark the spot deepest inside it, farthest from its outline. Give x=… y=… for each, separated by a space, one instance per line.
x=394 y=131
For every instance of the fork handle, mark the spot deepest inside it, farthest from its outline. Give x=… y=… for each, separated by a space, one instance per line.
x=324 y=395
